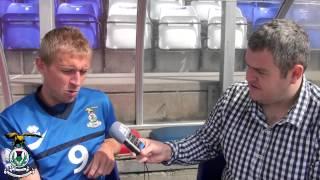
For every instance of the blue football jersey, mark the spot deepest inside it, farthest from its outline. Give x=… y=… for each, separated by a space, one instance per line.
x=67 y=144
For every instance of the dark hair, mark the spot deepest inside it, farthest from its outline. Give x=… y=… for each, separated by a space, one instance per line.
x=287 y=42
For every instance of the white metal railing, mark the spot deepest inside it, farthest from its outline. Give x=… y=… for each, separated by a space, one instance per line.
x=4 y=77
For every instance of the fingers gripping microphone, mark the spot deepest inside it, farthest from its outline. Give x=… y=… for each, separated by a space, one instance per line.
x=124 y=136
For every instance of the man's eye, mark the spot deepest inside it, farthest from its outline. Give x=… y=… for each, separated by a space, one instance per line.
x=83 y=72
x=261 y=72
x=67 y=70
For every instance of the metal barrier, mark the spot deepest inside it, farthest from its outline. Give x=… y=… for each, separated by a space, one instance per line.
x=4 y=77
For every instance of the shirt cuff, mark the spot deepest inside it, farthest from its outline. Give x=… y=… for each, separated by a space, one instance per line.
x=174 y=151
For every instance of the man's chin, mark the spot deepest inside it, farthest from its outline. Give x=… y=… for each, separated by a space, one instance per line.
x=69 y=99
x=254 y=97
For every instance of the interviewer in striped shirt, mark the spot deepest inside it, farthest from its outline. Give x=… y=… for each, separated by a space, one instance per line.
x=267 y=127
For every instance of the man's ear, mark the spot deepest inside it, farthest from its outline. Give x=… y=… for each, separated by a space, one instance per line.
x=296 y=73
x=40 y=64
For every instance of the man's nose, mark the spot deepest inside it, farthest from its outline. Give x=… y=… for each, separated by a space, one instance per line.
x=76 y=78
x=250 y=74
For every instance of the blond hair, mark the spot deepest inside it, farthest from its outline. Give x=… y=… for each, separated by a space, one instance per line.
x=63 y=40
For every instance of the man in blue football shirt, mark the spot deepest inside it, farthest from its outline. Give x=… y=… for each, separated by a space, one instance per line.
x=61 y=130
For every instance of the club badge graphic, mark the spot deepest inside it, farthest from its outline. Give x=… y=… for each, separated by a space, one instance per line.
x=92 y=117
x=19 y=157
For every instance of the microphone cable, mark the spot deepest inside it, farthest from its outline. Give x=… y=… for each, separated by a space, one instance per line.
x=145 y=167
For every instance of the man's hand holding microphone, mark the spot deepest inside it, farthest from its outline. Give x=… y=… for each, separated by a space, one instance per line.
x=147 y=150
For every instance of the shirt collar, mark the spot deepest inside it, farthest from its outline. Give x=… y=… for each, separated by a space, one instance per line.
x=61 y=110
x=295 y=114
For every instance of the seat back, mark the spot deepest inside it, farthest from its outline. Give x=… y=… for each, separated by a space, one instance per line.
x=75 y=12
x=179 y=28
x=3 y=6
x=96 y=4
x=214 y=30
x=247 y=9
x=307 y=15
x=3 y=9
x=81 y=16
x=21 y=17
x=264 y=12
x=121 y=26
x=122 y=7
x=121 y=32
x=173 y=133
x=314 y=35
x=203 y=8
x=157 y=5
x=304 y=12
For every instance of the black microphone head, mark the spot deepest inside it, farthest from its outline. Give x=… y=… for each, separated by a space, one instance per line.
x=119 y=132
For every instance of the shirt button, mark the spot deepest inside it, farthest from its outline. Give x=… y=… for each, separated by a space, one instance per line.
x=267 y=132
x=258 y=156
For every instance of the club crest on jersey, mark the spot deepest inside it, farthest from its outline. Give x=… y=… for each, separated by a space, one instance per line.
x=92 y=117
x=18 y=157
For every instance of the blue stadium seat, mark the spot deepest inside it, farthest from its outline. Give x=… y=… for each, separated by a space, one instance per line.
x=96 y=4
x=304 y=13
x=4 y=5
x=173 y=133
x=314 y=36
x=247 y=9
x=21 y=17
x=263 y=12
x=80 y=16
x=3 y=9
x=31 y=1
x=34 y=2
x=307 y=15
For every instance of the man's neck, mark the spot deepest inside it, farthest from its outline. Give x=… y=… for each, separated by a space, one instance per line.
x=276 y=111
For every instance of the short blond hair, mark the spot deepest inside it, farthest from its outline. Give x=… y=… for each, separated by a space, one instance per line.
x=63 y=40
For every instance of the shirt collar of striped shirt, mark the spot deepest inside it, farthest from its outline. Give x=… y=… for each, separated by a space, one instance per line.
x=296 y=113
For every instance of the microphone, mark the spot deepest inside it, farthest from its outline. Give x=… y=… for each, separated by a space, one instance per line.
x=123 y=135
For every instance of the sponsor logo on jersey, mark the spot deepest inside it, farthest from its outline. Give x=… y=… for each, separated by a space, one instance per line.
x=18 y=156
x=92 y=117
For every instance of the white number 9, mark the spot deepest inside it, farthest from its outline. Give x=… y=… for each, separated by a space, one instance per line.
x=83 y=159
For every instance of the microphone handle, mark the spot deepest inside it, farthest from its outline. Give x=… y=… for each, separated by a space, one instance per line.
x=132 y=147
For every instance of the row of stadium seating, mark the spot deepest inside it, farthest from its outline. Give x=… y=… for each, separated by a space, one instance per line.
x=168 y=26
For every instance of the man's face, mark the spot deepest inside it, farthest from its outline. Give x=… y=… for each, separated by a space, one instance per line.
x=266 y=85
x=63 y=78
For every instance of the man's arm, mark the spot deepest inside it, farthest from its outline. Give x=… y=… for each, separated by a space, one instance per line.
x=103 y=160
